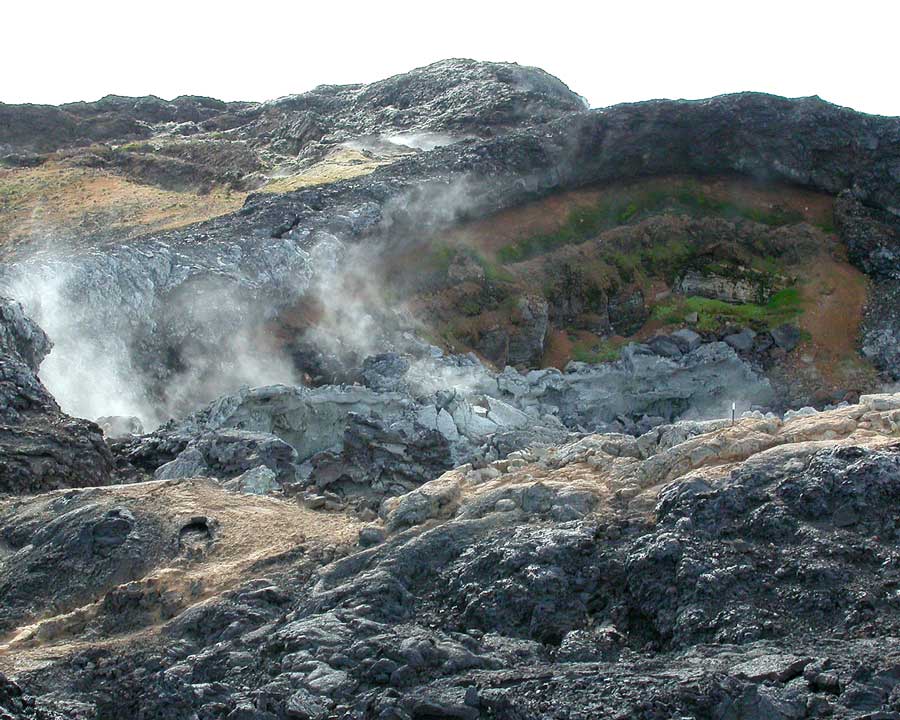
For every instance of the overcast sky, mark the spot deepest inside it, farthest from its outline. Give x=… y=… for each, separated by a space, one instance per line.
x=610 y=52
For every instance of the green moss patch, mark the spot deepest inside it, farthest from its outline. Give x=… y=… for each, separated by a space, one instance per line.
x=783 y=307
x=439 y=256
x=587 y=221
x=596 y=351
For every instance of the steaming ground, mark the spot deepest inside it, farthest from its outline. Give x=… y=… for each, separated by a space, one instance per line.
x=94 y=374
x=221 y=331
x=94 y=370
x=89 y=375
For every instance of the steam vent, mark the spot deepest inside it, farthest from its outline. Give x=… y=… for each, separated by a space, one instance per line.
x=448 y=396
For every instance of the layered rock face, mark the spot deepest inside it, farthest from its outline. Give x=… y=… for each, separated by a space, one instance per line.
x=346 y=514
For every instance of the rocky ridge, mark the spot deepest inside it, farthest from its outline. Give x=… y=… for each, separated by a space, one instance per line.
x=132 y=299
x=196 y=141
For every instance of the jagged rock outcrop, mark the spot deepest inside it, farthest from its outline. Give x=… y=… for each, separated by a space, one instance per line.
x=872 y=236
x=733 y=290
x=873 y=241
x=527 y=344
x=40 y=447
x=456 y=97
x=703 y=570
x=359 y=440
x=408 y=425
x=228 y=454
x=656 y=381
x=433 y=104
x=43 y=128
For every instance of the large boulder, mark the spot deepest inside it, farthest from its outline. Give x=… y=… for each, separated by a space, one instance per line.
x=383 y=456
x=718 y=287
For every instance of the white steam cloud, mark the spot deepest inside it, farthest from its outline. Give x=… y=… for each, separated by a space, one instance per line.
x=93 y=374
x=88 y=375
x=221 y=338
x=422 y=140
x=348 y=296
x=227 y=345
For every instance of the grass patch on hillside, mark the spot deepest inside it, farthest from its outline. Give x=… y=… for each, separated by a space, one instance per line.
x=827 y=224
x=666 y=259
x=593 y=351
x=135 y=147
x=494 y=271
x=587 y=221
x=57 y=200
x=783 y=307
x=9 y=193
x=339 y=165
x=439 y=256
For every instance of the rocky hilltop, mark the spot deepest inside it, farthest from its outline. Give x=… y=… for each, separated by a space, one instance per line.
x=448 y=396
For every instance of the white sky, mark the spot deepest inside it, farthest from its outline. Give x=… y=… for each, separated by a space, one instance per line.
x=610 y=52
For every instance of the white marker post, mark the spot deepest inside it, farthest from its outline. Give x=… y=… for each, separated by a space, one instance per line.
x=733 y=408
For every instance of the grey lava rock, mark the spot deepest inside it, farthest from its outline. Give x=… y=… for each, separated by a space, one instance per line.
x=787 y=337
x=41 y=448
x=743 y=341
x=526 y=347
x=698 y=570
x=371 y=535
x=665 y=346
x=872 y=236
x=717 y=287
x=687 y=339
x=228 y=454
x=385 y=371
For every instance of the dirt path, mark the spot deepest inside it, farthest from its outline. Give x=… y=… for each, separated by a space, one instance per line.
x=834 y=297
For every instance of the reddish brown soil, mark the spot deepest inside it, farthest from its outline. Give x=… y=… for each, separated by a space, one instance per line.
x=834 y=297
x=833 y=292
x=549 y=214
x=40 y=204
x=559 y=349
